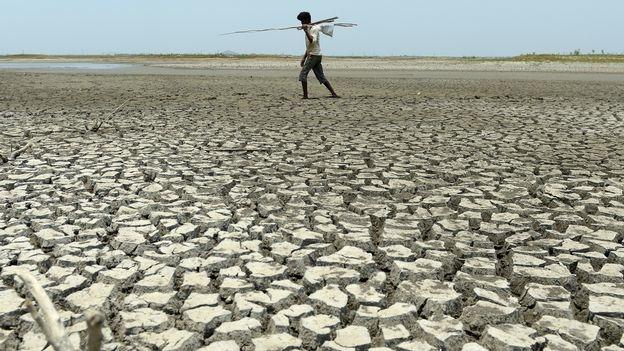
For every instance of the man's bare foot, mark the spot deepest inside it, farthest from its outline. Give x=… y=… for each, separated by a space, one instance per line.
x=335 y=97
x=304 y=98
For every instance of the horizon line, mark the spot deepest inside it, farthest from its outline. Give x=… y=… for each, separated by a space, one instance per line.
x=231 y=54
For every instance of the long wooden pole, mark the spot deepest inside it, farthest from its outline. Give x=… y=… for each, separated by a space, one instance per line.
x=328 y=20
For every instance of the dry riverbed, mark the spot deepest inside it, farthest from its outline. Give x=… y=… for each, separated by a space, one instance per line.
x=222 y=212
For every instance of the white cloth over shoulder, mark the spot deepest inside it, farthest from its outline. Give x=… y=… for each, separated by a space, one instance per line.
x=328 y=29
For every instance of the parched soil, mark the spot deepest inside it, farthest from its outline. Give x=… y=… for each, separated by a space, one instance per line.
x=224 y=212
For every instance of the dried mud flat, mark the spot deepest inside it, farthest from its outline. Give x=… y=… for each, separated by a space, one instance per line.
x=224 y=213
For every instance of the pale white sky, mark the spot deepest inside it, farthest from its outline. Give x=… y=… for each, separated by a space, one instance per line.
x=399 y=27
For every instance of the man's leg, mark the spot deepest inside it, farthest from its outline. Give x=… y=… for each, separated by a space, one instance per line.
x=304 y=85
x=320 y=75
x=331 y=89
x=303 y=77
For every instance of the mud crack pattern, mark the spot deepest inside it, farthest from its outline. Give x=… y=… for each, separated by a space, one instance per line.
x=224 y=213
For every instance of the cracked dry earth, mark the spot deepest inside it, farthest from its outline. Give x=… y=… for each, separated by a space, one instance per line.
x=223 y=213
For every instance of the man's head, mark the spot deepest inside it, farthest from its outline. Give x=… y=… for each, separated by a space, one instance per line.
x=305 y=18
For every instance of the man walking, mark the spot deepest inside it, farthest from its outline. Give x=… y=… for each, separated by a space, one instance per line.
x=312 y=58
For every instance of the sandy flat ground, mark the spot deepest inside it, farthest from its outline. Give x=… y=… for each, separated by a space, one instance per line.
x=398 y=63
x=423 y=210
x=395 y=67
x=355 y=63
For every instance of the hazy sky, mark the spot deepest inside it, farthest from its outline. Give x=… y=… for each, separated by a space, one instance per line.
x=388 y=27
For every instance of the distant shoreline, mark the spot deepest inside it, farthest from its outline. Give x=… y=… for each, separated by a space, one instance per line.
x=565 y=67
x=588 y=58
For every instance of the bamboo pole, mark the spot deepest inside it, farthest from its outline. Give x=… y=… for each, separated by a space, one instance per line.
x=328 y=20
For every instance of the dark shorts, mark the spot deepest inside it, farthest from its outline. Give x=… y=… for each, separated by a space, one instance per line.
x=313 y=63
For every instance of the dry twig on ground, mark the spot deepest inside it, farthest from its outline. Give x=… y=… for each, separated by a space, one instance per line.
x=99 y=122
x=15 y=154
x=94 y=331
x=47 y=317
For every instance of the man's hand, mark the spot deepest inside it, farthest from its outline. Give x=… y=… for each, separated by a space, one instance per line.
x=303 y=60
x=306 y=29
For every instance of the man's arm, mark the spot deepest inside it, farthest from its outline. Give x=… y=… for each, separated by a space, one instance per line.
x=303 y=59
x=306 y=29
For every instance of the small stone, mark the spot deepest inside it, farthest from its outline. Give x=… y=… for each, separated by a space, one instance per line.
x=607 y=306
x=198 y=300
x=196 y=282
x=366 y=316
x=33 y=340
x=556 y=343
x=479 y=266
x=436 y=296
x=276 y=342
x=128 y=241
x=583 y=335
x=305 y=237
x=317 y=276
x=512 y=337
x=69 y=285
x=353 y=337
x=330 y=300
x=241 y=330
x=155 y=300
x=48 y=238
x=8 y=339
x=350 y=257
x=122 y=276
x=415 y=345
x=289 y=318
x=484 y=313
x=609 y=273
x=187 y=230
x=265 y=273
x=420 y=269
x=394 y=334
x=172 y=340
x=466 y=283
x=399 y=313
x=161 y=280
x=317 y=329
x=142 y=320
x=366 y=295
x=206 y=318
x=445 y=333
x=498 y=298
x=538 y=292
x=229 y=345
x=95 y=296
x=473 y=346
x=231 y=286
x=549 y=275
x=10 y=308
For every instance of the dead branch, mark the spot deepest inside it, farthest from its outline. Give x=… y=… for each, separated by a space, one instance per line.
x=238 y=150
x=99 y=122
x=9 y=135
x=96 y=126
x=33 y=312
x=47 y=317
x=94 y=330
x=15 y=154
